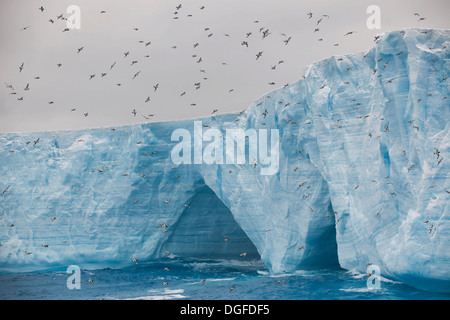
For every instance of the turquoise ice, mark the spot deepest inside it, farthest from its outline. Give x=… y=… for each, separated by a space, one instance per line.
x=362 y=179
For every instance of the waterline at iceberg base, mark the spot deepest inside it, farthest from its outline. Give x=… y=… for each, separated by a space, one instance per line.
x=362 y=179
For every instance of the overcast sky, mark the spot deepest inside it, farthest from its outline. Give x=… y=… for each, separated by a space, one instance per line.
x=228 y=77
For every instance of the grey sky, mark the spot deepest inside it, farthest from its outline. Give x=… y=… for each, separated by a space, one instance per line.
x=228 y=65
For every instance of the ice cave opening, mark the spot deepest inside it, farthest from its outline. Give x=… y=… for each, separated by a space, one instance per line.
x=207 y=229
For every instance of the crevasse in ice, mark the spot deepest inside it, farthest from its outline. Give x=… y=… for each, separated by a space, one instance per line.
x=362 y=178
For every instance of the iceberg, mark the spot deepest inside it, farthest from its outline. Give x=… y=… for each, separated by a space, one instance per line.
x=362 y=177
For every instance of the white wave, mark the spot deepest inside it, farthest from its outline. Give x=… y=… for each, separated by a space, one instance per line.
x=287 y=274
x=160 y=297
x=262 y=272
x=222 y=279
x=167 y=294
x=360 y=290
x=358 y=275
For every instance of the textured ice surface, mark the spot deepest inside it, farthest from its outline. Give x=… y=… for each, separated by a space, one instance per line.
x=360 y=179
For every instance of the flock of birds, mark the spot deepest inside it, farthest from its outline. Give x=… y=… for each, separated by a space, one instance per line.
x=262 y=32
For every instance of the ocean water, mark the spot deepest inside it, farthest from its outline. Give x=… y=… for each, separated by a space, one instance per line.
x=183 y=278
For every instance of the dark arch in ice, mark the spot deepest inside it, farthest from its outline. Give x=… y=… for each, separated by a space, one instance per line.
x=201 y=229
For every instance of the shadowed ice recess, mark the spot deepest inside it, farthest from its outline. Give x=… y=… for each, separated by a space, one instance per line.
x=362 y=179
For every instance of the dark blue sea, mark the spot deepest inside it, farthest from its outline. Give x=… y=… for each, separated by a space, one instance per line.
x=182 y=279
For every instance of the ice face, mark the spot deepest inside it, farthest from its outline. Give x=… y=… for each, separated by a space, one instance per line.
x=385 y=160
x=362 y=178
x=206 y=228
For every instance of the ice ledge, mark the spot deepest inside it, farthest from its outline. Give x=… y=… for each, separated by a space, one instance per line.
x=354 y=127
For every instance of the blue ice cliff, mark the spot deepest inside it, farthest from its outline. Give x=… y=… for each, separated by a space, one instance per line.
x=362 y=178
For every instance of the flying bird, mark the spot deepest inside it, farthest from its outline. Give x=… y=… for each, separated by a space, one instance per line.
x=287 y=40
x=437 y=152
x=4 y=191
x=136 y=74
